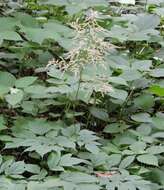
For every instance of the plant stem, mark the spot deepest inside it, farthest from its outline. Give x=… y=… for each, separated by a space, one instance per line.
x=125 y=103
x=77 y=92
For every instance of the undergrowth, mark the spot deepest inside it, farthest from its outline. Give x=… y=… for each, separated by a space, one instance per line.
x=81 y=95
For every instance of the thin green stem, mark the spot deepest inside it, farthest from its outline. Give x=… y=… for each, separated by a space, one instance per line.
x=125 y=103
x=77 y=92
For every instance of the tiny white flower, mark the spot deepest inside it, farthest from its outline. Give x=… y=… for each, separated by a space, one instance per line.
x=14 y=90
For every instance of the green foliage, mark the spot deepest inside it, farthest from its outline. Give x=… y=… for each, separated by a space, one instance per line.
x=81 y=95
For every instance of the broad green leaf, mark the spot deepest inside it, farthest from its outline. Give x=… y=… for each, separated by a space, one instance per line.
x=39 y=35
x=144 y=129
x=148 y=159
x=53 y=160
x=99 y=113
x=115 y=128
x=34 y=169
x=144 y=101
x=7 y=79
x=9 y=35
x=138 y=147
x=155 y=150
x=157 y=175
x=93 y=148
x=157 y=90
x=159 y=135
x=78 y=177
x=157 y=73
x=141 y=117
x=118 y=80
x=142 y=65
x=15 y=97
x=3 y=91
x=25 y=82
x=158 y=122
x=131 y=74
x=119 y=94
x=113 y=160
x=68 y=160
x=127 y=161
x=147 y=21
x=16 y=168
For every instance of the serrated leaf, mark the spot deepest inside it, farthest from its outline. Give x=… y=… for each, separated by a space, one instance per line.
x=148 y=159
x=126 y=161
x=113 y=160
x=155 y=150
x=138 y=147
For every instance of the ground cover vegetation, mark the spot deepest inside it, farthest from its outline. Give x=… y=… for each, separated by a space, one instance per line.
x=81 y=95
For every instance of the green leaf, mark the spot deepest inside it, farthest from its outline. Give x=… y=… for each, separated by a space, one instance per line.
x=7 y=79
x=157 y=90
x=15 y=97
x=3 y=91
x=142 y=117
x=16 y=168
x=126 y=161
x=155 y=150
x=25 y=82
x=78 y=177
x=9 y=35
x=144 y=129
x=93 y=148
x=119 y=94
x=157 y=73
x=99 y=113
x=68 y=160
x=34 y=169
x=157 y=175
x=2 y=123
x=148 y=159
x=159 y=135
x=131 y=74
x=144 y=101
x=39 y=35
x=158 y=122
x=53 y=160
x=113 y=160
x=142 y=65
x=138 y=147
x=115 y=128
x=118 y=80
